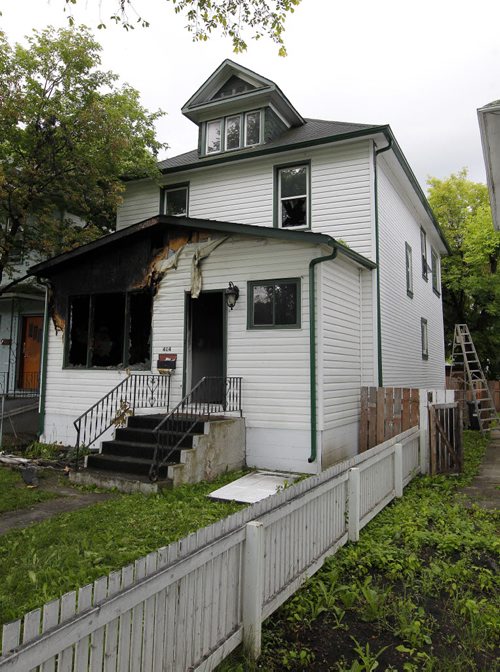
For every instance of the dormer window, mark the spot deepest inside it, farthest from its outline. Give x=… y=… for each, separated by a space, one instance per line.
x=233 y=132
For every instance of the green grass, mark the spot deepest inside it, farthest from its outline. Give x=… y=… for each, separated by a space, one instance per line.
x=420 y=591
x=15 y=495
x=50 y=558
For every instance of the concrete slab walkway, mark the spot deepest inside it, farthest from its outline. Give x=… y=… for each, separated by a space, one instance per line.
x=485 y=488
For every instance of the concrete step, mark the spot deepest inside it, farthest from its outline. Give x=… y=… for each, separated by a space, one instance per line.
x=123 y=482
x=151 y=421
x=120 y=464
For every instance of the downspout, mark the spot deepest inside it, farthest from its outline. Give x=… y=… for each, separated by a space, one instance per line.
x=43 y=365
x=312 y=344
x=377 y=259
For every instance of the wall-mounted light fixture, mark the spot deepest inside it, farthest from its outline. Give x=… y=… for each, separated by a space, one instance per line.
x=232 y=294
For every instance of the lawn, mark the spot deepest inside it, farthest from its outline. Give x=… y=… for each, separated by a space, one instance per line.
x=418 y=592
x=45 y=560
x=15 y=495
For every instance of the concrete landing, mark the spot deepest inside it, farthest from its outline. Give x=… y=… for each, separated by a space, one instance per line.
x=485 y=488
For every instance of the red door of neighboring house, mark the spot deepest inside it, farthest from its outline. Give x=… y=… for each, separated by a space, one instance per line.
x=31 y=351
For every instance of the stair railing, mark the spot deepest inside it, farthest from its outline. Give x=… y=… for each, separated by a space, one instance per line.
x=138 y=390
x=210 y=396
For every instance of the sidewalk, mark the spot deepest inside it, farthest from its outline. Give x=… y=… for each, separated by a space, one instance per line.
x=485 y=488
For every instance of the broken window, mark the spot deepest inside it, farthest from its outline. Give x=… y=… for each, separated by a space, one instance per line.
x=110 y=330
x=176 y=200
x=274 y=303
x=293 y=187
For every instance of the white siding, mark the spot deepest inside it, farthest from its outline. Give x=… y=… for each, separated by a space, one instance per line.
x=341 y=188
x=140 y=201
x=341 y=356
x=400 y=315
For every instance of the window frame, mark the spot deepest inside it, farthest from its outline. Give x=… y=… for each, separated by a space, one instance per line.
x=424 y=338
x=173 y=187
x=273 y=281
x=409 y=270
x=436 y=285
x=90 y=334
x=243 y=143
x=277 y=195
x=423 y=252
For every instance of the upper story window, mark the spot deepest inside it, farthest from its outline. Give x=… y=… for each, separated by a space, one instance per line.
x=175 y=200
x=233 y=132
x=423 y=248
x=409 y=271
x=435 y=272
x=424 y=335
x=293 y=196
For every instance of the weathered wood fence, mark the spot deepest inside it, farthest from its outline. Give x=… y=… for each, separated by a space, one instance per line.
x=445 y=438
x=464 y=395
x=188 y=605
x=386 y=412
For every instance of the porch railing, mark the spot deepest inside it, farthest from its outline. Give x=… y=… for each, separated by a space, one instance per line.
x=210 y=396
x=139 y=390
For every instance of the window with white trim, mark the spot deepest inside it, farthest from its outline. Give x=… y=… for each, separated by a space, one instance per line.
x=409 y=270
x=293 y=196
x=233 y=132
x=175 y=201
x=424 y=333
x=435 y=272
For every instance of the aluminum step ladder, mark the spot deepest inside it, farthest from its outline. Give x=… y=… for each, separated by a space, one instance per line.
x=464 y=356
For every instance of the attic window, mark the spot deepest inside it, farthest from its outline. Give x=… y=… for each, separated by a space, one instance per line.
x=233 y=132
x=109 y=330
x=233 y=87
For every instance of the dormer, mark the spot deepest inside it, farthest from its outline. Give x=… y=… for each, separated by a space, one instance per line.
x=236 y=109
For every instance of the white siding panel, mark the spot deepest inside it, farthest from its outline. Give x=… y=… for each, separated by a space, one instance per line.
x=140 y=201
x=400 y=315
x=340 y=362
x=341 y=192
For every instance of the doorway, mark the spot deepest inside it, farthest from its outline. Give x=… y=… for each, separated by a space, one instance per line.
x=31 y=351
x=205 y=341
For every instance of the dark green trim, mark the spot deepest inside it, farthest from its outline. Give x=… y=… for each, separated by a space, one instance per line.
x=276 y=187
x=423 y=323
x=273 y=281
x=187 y=297
x=312 y=345
x=409 y=270
x=435 y=272
x=423 y=254
x=171 y=187
x=43 y=368
x=190 y=223
x=376 y=152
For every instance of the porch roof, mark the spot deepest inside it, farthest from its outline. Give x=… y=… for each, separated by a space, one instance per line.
x=194 y=224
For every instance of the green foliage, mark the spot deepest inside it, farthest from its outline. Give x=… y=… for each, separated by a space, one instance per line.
x=68 y=133
x=423 y=576
x=262 y=17
x=470 y=278
x=73 y=549
x=15 y=495
x=46 y=451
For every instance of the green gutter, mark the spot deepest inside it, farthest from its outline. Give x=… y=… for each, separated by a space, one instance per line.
x=377 y=256
x=43 y=367
x=312 y=343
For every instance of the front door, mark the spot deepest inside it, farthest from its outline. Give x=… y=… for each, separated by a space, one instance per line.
x=206 y=347
x=31 y=351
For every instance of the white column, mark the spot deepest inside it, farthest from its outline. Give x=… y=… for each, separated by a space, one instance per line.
x=353 y=503
x=398 y=469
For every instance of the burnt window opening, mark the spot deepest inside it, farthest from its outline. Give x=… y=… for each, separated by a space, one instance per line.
x=110 y=330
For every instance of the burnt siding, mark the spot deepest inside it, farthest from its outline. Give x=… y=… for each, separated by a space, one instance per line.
x=273 y=126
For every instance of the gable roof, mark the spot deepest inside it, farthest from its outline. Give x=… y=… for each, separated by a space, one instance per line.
x=195 y=224
x=204 y=104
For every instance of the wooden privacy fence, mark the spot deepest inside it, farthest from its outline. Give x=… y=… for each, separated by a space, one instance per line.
x=187 y=606
x=445 y=438
x=385 y=413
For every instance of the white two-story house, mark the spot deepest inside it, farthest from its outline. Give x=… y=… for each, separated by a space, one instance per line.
x=316 y=232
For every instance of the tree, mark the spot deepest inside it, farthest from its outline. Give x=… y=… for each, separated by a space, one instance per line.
x=67 y=135
x=231 y=17
x=470 y=279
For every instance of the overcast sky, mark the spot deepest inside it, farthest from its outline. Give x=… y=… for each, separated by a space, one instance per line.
x=423 y=67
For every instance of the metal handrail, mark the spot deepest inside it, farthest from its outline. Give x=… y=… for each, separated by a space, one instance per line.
x=139 y=390
x=211 y=395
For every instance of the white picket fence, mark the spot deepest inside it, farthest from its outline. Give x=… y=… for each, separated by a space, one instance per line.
x=188 y=605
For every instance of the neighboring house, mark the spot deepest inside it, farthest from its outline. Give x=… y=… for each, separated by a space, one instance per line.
x=489 y=125
x=325 y=231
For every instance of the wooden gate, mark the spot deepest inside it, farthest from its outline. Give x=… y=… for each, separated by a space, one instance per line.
x=445 y=438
